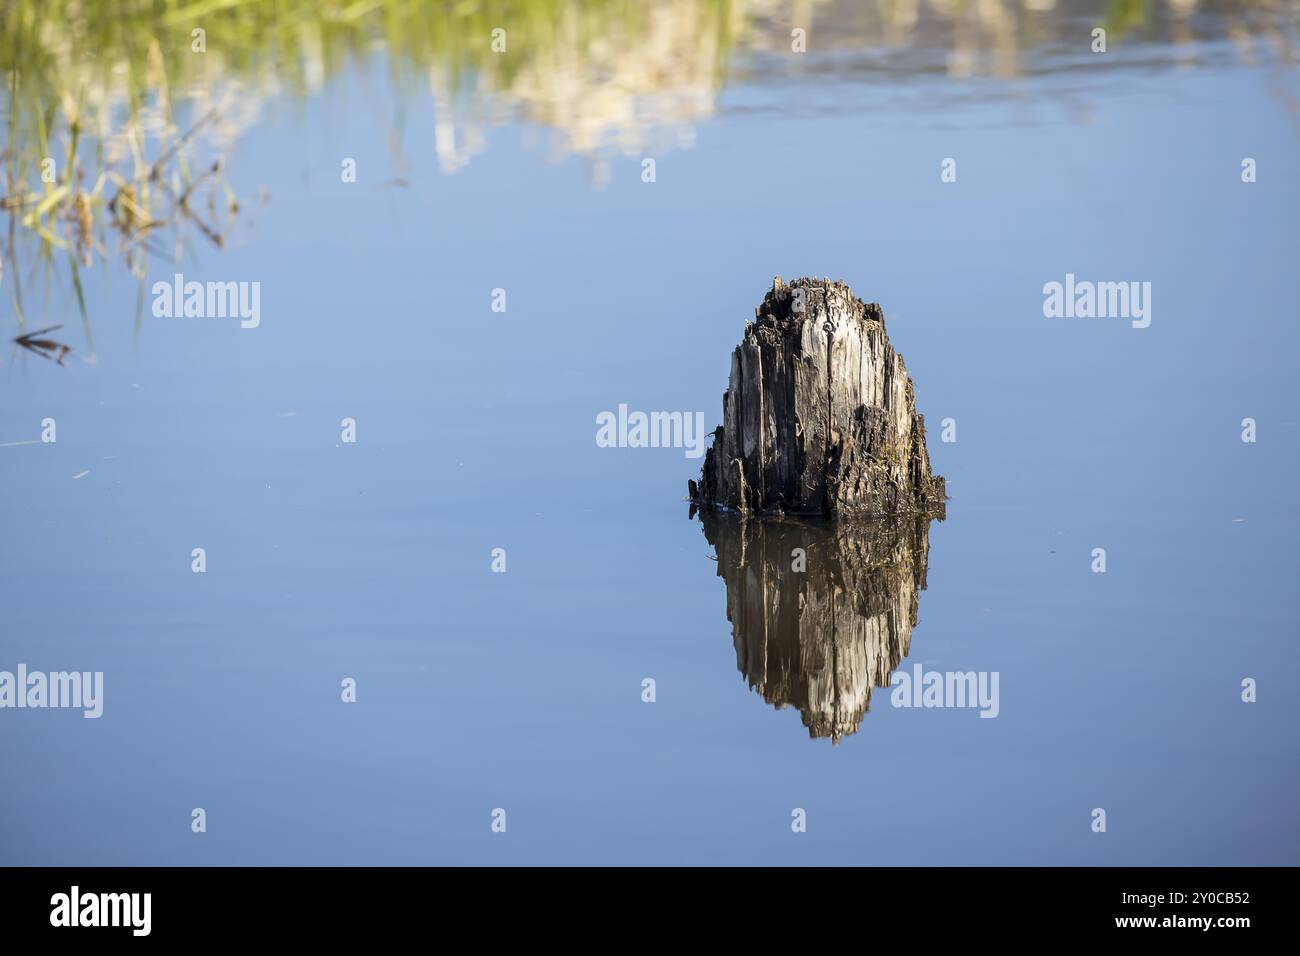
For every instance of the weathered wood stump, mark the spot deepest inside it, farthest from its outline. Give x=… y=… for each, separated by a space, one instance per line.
x=821 y=613
x=819 y=417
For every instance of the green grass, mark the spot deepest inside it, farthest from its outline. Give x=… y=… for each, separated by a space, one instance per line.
x=95 y=86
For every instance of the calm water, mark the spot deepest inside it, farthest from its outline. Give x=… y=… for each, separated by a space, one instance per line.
x=475 y=431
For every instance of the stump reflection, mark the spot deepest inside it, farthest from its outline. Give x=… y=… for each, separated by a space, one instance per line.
x=822 y=638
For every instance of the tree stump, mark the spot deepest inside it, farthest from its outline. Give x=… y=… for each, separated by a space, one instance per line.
x=819 y=416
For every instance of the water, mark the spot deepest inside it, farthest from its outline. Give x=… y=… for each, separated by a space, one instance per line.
x=475 y=431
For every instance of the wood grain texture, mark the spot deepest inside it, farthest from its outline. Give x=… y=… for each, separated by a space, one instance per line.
x=819 y=416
